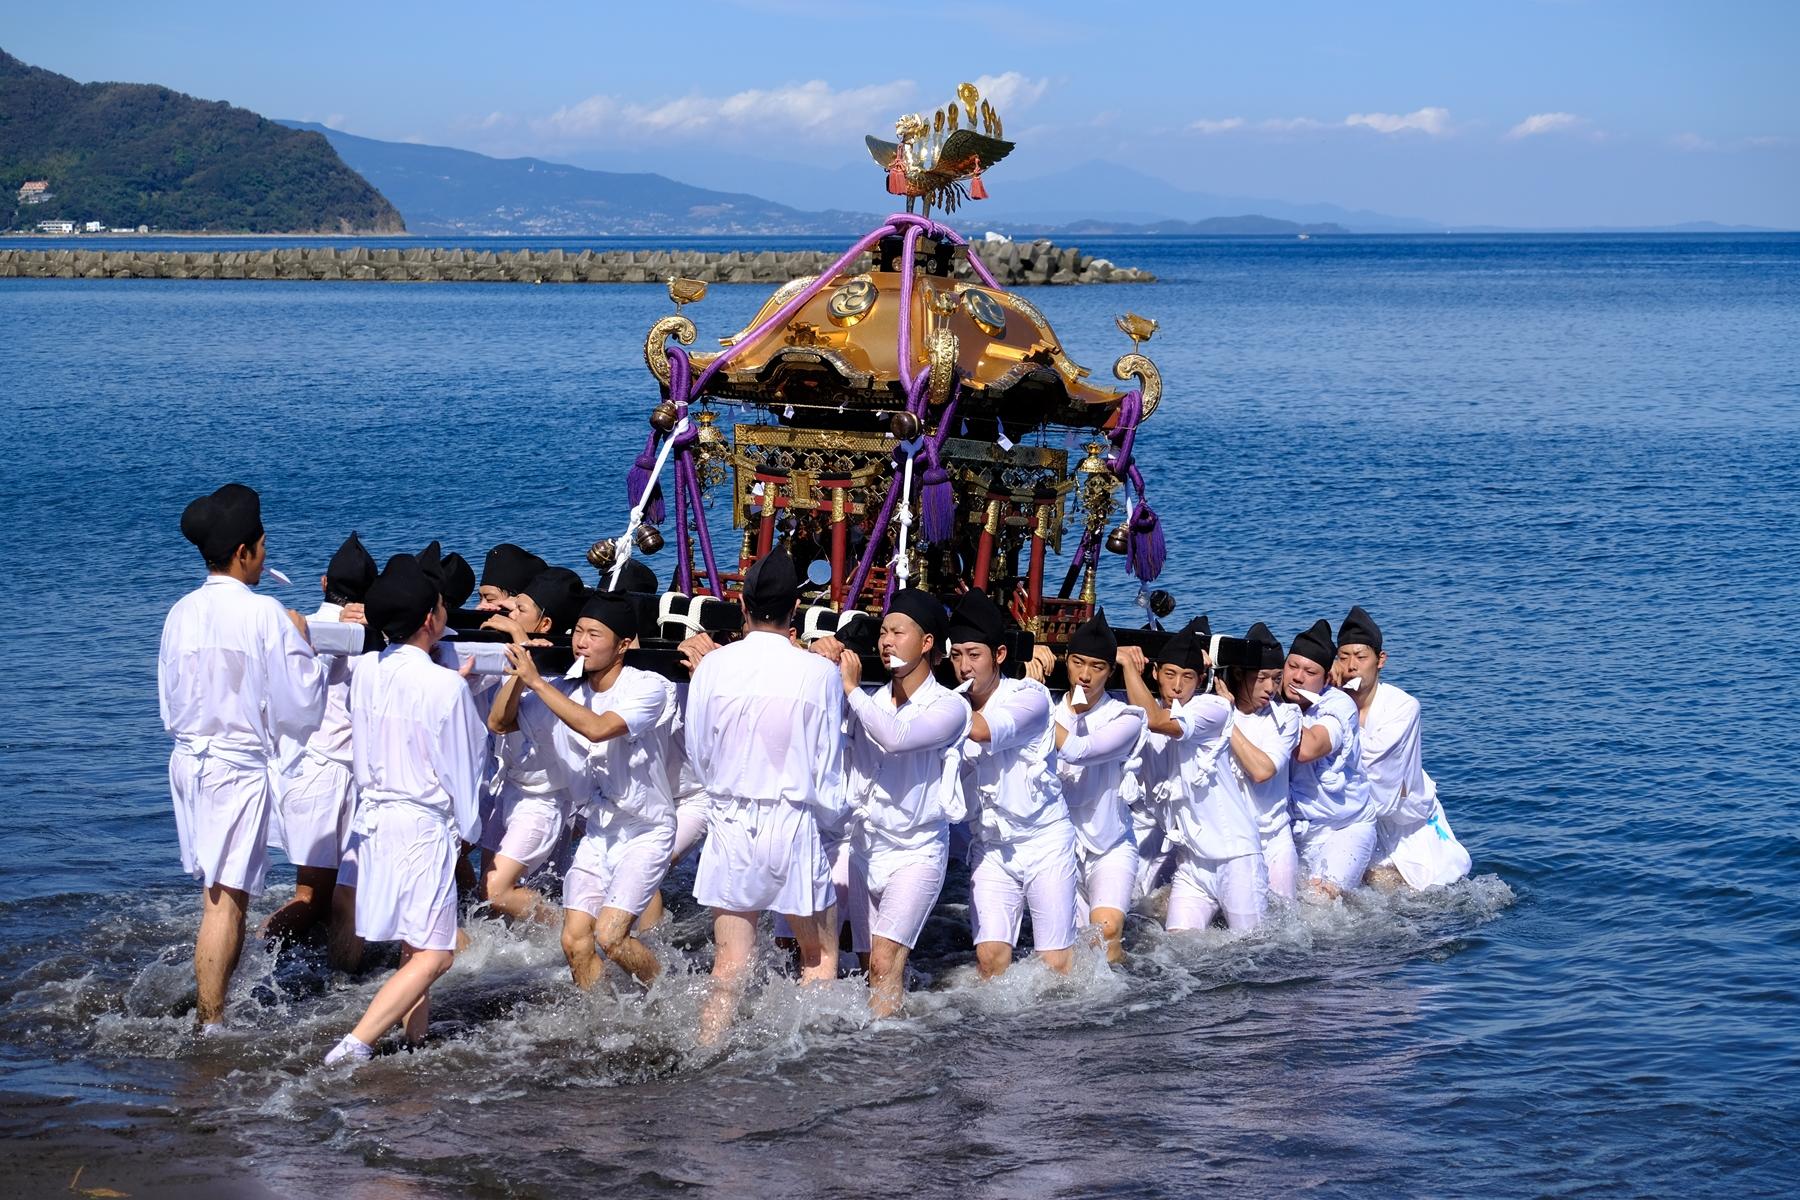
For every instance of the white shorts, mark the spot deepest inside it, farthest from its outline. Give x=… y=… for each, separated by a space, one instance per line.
x=527 y=831
x=837 y=854
x=690 y=827
x=1338 y=856
x=1282 y=862
x=763 y=857
x=1205 y=886
x=1156 y=857
x=1107 y=879
x=621 y=872
x=222 y=819
x=406 y=890
x=892 y=892
x=1040 y=873
x=347 y=864
x=313 y=807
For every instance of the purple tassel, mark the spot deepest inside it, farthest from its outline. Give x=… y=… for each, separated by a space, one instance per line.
x=1146 y=552
x=638 y=478
x=937 y=507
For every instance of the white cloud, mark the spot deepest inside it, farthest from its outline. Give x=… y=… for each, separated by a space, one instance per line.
x=1692 y=141
x=1011 y=92
x=334 y=120
x=1433 y=121
x=1550 y=122
x=813 y=106
x=1207 y=125
x=1290 y=124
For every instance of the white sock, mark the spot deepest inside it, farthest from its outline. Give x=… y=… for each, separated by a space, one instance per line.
x=212 y=1029
x=350 y=1047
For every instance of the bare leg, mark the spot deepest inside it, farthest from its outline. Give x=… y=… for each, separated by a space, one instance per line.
x=1058 y=960
x=500 y=889
x=346 y=948
x=216 y=949
x=1112 y=927
x=465 y=871
x=1386 y=879
x=816 y=936
x=310 y=906
x=887 y=976
x=652 y=915
x=992 y=958
x=578 y=947
x=403 y=998
x=734 y=937
x=614 y=933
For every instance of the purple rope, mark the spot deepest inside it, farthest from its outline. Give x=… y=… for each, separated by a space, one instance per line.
x=706 y=550
x=687 y=478
x=684 y=567
x=780 y=316
x=904 y=355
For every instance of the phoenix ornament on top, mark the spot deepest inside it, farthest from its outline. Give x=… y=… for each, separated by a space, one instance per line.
x=937 y=161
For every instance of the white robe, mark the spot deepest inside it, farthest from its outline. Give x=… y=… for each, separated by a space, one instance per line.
x=626 y=781
x=315 y=789
x=1330 y=792
x=1010 y=785
x=1099 y=764
x=234 y=677
x=418 y=740
x=1413 y=835
x=1275 y=730
x=1202 y=808
x=904 y=767
x=764 y=732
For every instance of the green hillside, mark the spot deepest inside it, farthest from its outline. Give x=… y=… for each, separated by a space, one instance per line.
x=131 y=154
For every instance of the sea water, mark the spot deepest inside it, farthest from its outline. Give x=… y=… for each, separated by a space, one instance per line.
x=1562 y=472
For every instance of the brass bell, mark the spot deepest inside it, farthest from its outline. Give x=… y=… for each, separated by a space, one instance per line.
x=664 y=416
x=905 y=425
x=602 y=553
x=1119 y=540
x=649 y=539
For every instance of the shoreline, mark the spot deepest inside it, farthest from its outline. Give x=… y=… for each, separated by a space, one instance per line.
x=1013 y=264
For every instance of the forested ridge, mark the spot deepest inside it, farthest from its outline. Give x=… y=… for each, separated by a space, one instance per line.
x=130 y=154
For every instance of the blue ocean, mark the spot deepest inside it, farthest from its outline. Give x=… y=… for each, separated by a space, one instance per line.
x=1562 y=472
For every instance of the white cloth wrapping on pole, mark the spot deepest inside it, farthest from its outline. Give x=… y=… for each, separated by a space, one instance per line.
x=623 y=546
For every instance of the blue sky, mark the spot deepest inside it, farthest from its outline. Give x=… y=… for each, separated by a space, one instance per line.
x=1525 y=113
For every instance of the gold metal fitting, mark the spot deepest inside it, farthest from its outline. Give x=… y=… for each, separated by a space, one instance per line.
x=602 y=553
x=683 y=290
x=1138 y=329
x=649 y=539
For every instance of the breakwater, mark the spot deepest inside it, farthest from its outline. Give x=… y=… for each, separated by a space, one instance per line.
x=1013 y=264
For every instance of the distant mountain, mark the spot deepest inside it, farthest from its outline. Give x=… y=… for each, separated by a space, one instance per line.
x=130 y=154
x=1109 y=192
x=447 y=191
x=1254 y=226
x=1681 y=227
